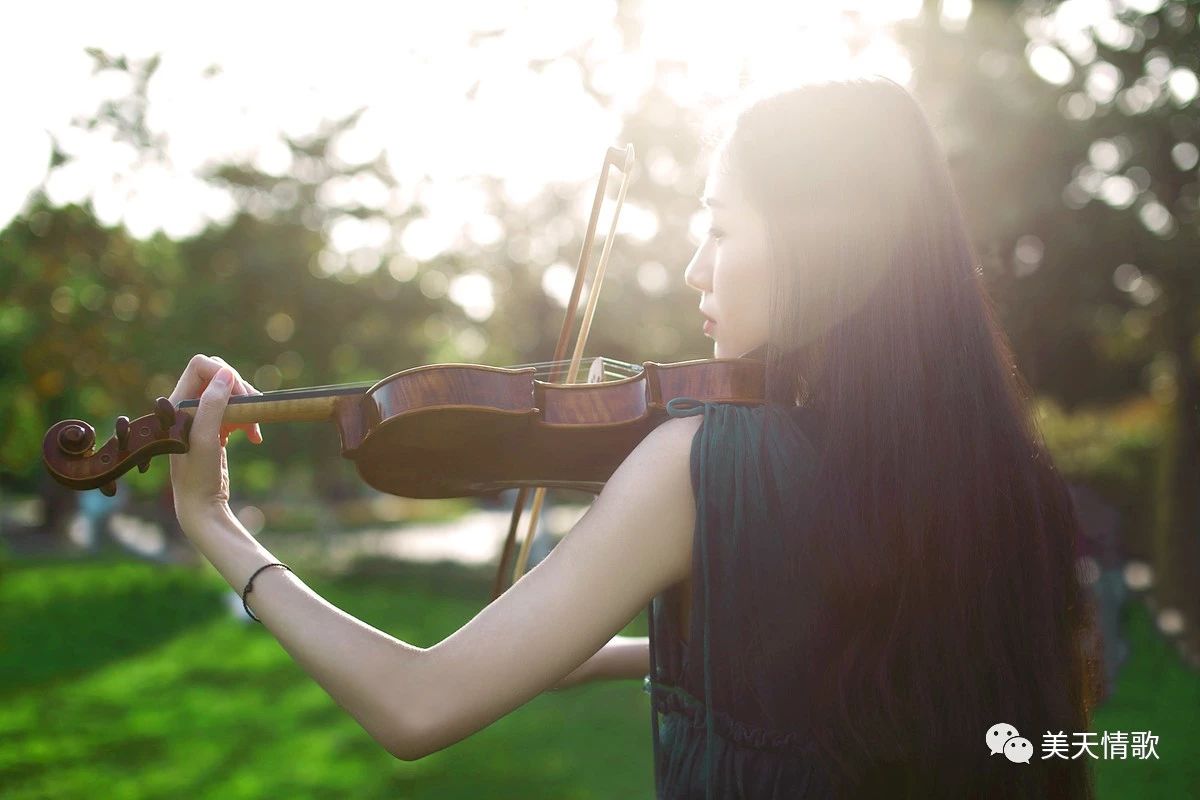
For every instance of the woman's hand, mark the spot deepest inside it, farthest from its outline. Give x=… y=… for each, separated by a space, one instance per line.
x=200 y=477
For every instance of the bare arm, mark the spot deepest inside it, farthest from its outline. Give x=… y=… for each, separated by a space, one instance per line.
x=621 y=657
x=634 y=541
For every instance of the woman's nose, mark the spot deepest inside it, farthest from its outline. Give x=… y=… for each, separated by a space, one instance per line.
x=698 y=274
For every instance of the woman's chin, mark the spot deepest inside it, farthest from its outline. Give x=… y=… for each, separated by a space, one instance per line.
x=723 y=350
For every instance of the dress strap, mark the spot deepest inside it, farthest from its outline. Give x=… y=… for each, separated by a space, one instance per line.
x=684 y=407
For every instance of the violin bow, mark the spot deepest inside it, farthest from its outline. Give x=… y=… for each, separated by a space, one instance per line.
x=621 y=159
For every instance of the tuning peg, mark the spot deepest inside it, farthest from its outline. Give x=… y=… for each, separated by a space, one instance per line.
x=109 y=489
x=122 y=428
x=75 y=439
x=165 y=411
x=143 y=465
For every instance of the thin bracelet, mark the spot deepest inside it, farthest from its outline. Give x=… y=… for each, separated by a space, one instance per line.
x=246 y=591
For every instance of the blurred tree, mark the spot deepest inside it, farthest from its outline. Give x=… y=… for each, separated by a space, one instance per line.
x=73 y=295
x=1132 y=90
x=1074 y=147
x=278 y=293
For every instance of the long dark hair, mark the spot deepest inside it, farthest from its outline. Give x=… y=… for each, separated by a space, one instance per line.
x=942 y=553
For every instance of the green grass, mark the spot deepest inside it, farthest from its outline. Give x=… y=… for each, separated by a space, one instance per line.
x=125 y=680
x=1155 y=692
x=129 y=680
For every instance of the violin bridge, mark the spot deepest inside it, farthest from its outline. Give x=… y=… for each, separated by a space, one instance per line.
x=596 y=370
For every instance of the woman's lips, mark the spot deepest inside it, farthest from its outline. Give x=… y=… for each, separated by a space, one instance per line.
x=708 y=326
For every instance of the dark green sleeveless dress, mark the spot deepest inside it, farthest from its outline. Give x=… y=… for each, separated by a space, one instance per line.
x=728 y=716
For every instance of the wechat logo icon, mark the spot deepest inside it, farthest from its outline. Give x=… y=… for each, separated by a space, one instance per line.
x=1003 y=738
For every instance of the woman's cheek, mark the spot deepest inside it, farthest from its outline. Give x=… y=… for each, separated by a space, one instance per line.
x=758 y=286
x=738 y=286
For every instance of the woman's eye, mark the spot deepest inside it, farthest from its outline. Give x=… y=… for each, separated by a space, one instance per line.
x=715 y=233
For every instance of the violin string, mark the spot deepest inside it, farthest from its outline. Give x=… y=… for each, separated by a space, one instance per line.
x=619 y=369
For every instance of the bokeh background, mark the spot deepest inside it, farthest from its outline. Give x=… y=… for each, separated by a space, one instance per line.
x=332 y=194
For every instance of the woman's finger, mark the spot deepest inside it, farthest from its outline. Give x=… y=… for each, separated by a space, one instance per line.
x=195 y=379
x=253 y=432
x=229 y=427
x=199 y=371
x=242 y=386
x=206 y=425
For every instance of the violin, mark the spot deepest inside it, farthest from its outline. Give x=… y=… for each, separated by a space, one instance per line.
x=454 y=430
x=440 y=430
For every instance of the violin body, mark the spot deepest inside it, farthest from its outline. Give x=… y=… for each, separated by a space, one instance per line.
x=440 y=430
x=461 y=430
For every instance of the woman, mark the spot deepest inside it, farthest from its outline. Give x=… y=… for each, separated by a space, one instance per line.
x=848 y=586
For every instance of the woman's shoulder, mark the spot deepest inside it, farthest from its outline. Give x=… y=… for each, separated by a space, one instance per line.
x=662 y=458
x=676 y=432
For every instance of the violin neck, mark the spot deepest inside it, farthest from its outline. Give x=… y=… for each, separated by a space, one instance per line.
x=291 y=405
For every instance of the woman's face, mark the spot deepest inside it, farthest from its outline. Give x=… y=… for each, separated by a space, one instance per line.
x=730 y=269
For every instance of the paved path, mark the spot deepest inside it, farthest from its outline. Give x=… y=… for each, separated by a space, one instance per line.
x=473 y=539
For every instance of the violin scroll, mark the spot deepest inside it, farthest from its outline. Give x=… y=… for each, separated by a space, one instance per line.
x=71 y=456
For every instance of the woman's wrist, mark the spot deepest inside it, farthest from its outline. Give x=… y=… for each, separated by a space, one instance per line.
x=195 y=520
